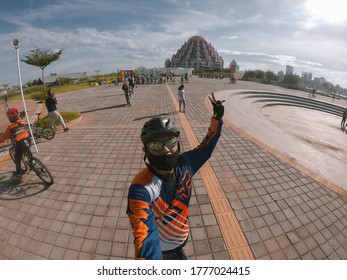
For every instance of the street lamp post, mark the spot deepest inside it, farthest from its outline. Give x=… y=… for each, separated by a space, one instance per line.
x=16 y=47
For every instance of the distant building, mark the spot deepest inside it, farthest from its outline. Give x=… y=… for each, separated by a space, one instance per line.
x=196 y=53
x=306 y=76
x=289 y=70
x=280 y=75
x=233 y=66
x=319 y=81
x=50 y=80
x=161 y=71
x=167 y=63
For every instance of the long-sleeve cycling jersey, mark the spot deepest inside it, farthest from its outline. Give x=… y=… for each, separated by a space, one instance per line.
x=158 y=210
x=17 y=131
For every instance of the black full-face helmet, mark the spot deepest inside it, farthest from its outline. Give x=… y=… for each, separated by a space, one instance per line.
x=50 y=92
x=158 y=126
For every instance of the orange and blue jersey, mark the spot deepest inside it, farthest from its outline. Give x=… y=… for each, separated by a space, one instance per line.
x=16 y=131
x=158 y=210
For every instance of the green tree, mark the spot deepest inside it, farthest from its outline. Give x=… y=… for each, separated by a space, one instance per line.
x=270 y=76
x=5 y=86
x=328 y=87
x=42 y=58
x=249 y=75
x=259 y=74
x=291 y=80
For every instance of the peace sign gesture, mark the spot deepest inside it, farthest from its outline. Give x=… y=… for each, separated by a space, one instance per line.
x=218 y=108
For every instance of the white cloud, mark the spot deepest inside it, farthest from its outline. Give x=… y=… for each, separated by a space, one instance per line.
x=332 y=11
x=231 y=37
x=96 y=34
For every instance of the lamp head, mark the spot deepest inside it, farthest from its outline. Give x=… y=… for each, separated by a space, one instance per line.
x=15 y=43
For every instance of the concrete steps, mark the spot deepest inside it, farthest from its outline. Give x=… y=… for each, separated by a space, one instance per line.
x=272 y=99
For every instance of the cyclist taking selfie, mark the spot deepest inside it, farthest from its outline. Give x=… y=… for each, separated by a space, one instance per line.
x=159 y=196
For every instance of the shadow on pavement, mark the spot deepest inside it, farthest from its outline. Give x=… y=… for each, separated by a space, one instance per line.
x=110 y=95
x=105 y=108
x=151 y=116
x=12 y=189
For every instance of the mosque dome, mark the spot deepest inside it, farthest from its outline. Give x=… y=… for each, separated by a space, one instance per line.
x=197 y=53
x=198 y=39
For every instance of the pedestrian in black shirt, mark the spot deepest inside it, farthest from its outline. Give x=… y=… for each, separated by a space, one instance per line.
x=51 y=104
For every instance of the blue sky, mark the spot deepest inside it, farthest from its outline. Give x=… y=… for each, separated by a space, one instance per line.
x=106 y=35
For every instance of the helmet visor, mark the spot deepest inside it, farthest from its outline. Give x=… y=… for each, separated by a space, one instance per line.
x=158 y=145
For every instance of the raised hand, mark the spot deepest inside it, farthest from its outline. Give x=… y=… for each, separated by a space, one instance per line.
x=218 y=108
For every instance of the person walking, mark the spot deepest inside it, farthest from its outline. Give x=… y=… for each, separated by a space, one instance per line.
x=131 y=84
x=343 y=121
x=51 y=104
x=159 y=196
x=186 y=78
x=181 y=98
x=127 y=93
x=6 y=100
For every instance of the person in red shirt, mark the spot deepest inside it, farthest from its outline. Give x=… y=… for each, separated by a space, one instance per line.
x=17 y=132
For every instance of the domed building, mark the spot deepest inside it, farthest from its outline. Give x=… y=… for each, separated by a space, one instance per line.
x=196 y=53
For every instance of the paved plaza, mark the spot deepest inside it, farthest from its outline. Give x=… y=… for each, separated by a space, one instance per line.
x=250 y=201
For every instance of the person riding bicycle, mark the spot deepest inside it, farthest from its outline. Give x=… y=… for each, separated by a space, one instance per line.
x=159 y=196
x=17 y=132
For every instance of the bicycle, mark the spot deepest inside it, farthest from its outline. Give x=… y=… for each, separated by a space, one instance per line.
x=47 y=132
x=34 y=164
x=232 y=81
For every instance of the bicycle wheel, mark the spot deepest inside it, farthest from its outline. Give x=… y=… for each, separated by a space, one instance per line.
x=48 y=133
x=34 y=131
x=24 y=165
x=41 y=171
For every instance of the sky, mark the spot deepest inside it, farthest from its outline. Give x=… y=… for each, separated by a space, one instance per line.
x=108 y=35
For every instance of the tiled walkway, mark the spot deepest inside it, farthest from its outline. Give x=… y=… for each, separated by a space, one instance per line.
x=280 y=212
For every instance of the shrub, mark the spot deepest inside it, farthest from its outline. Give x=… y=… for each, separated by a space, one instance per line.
x=38 y=96
x=68 y=116
x=64 y=81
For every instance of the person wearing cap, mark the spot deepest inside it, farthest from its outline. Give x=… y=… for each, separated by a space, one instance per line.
x=51 y=104
x=17 y=132
x=159 y=196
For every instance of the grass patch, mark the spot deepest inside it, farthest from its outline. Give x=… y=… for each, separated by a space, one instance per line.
x=72 y=87
x=68 y=116
x=37 y=93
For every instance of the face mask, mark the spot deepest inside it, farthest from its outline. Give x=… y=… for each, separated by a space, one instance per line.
x=163 y=162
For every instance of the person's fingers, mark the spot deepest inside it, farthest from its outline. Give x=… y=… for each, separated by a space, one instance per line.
x=213 y=101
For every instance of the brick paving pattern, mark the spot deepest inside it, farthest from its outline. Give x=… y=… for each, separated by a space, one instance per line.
x=283 y=213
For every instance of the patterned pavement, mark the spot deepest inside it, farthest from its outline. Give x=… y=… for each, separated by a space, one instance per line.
x=247 y=202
